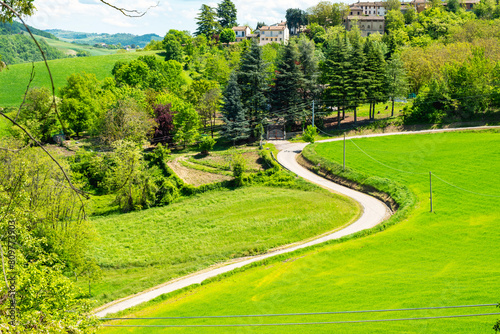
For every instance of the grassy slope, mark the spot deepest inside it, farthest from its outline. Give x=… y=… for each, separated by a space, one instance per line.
x=448 y=257
x=14 y=80
x=146 y=248
x=65 y=47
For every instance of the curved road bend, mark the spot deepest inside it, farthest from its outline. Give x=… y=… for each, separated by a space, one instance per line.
x=374 y=212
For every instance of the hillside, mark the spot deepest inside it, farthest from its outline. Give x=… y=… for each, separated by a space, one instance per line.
x=93 y=38
x=13 y=81
x=20 y=48
x=18 y=28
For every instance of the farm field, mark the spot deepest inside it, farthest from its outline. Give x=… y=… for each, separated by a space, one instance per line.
x=444 y=258
x=142 y=249
x=70 y=48
x=14 y=80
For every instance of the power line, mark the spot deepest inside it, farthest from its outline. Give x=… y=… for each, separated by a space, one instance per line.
x=312 y=323
x=469 y=191
x=305 y=314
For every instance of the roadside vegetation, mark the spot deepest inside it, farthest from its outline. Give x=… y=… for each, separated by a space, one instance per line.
x=426 y=259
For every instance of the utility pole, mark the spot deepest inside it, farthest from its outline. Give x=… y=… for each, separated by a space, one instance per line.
x=313 y=115
x=343 y=169
x=430 y=187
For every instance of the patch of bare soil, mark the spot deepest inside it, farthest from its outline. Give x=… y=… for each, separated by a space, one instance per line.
x=195 y=177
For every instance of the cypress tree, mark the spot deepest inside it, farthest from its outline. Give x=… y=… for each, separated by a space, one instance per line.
x=375 y=75
x=357 y=92
x=285 y=96
x=253 y=85
x=236 y=126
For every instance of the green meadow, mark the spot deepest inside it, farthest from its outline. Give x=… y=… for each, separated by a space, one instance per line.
x=445 y=258
x=142 y=249
x=70 y=47
x=15 y=79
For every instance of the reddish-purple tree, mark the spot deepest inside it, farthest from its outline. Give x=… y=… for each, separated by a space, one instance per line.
x=165 y=123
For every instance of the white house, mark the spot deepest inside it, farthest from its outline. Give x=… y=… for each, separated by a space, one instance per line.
x=242 y=33
x=273 y=34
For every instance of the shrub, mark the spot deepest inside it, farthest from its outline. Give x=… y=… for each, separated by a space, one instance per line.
x=206 y=145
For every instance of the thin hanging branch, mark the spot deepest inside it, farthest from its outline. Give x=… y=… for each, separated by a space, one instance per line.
x=32 y=76
x=54 y=104
x=129 y=12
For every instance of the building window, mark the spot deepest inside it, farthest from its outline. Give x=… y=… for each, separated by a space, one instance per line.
x=380 y=27
x=368 y=27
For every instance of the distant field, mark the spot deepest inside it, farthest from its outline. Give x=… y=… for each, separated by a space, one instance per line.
x=142 y=249
x=68 y=47
x=14 y=80
x=445 y=258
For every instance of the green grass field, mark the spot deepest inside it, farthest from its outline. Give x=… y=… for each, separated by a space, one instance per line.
x=142 y=249
x=445 y=258
x=14 y=80
x=69 y=47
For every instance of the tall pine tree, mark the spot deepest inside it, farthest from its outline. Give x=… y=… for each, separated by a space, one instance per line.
x=253 y=85
x=357 y=92
x=226 y=12
x=207 y=24
x=285 y=96
x=236 y=126
x=375 y=75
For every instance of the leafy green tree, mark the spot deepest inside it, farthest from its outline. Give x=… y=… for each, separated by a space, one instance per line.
x=485 y=9
x=38 y=114
x=217 y=68
x=226 y=12
x=206 y=145
x=173 y=49
x=397 y=82
x=339 y=13
x=238 y=166
x=129 y=179
x=320 y=13
x=285 y=96
x=79 y=108
x=310 y=133
x=295 y=18
x=392 y=5
x=253 y=84
x=207 y=23
x=394 y=20
x=126 y=120
x=227 y=36
x=453 y=5
x=235 y=127
x=23 y=7
x=410 y=14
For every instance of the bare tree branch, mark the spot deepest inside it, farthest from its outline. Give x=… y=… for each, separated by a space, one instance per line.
x=78 y=191
x=44 y=59
x=32 y=76
x=128 y=12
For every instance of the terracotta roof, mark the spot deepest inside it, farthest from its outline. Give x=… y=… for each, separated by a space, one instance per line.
x=240 y=28
x=378 y=4
x=356 y=8
x=272 y=28
x=366 y=18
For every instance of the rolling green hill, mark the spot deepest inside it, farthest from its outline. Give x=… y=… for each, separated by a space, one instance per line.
x=445 y=258
x=93 y=38
x=72 y=49
x=14 y=80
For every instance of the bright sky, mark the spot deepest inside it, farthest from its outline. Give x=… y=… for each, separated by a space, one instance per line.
x=94 y=16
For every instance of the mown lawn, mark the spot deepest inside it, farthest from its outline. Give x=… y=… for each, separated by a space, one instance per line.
x=445 y=258
x=142 y=249
x=15 y=79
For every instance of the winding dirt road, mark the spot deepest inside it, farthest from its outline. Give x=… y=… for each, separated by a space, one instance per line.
x=374 y=212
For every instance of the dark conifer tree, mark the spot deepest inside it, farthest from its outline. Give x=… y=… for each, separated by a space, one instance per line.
x=206 y=21
x=357 y=93
x=226 y=12
x=285 y=96
x=253 y=85
x=236 y=126
x=375 y=75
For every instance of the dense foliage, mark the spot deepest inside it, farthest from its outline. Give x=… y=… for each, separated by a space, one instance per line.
x=21 y=48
